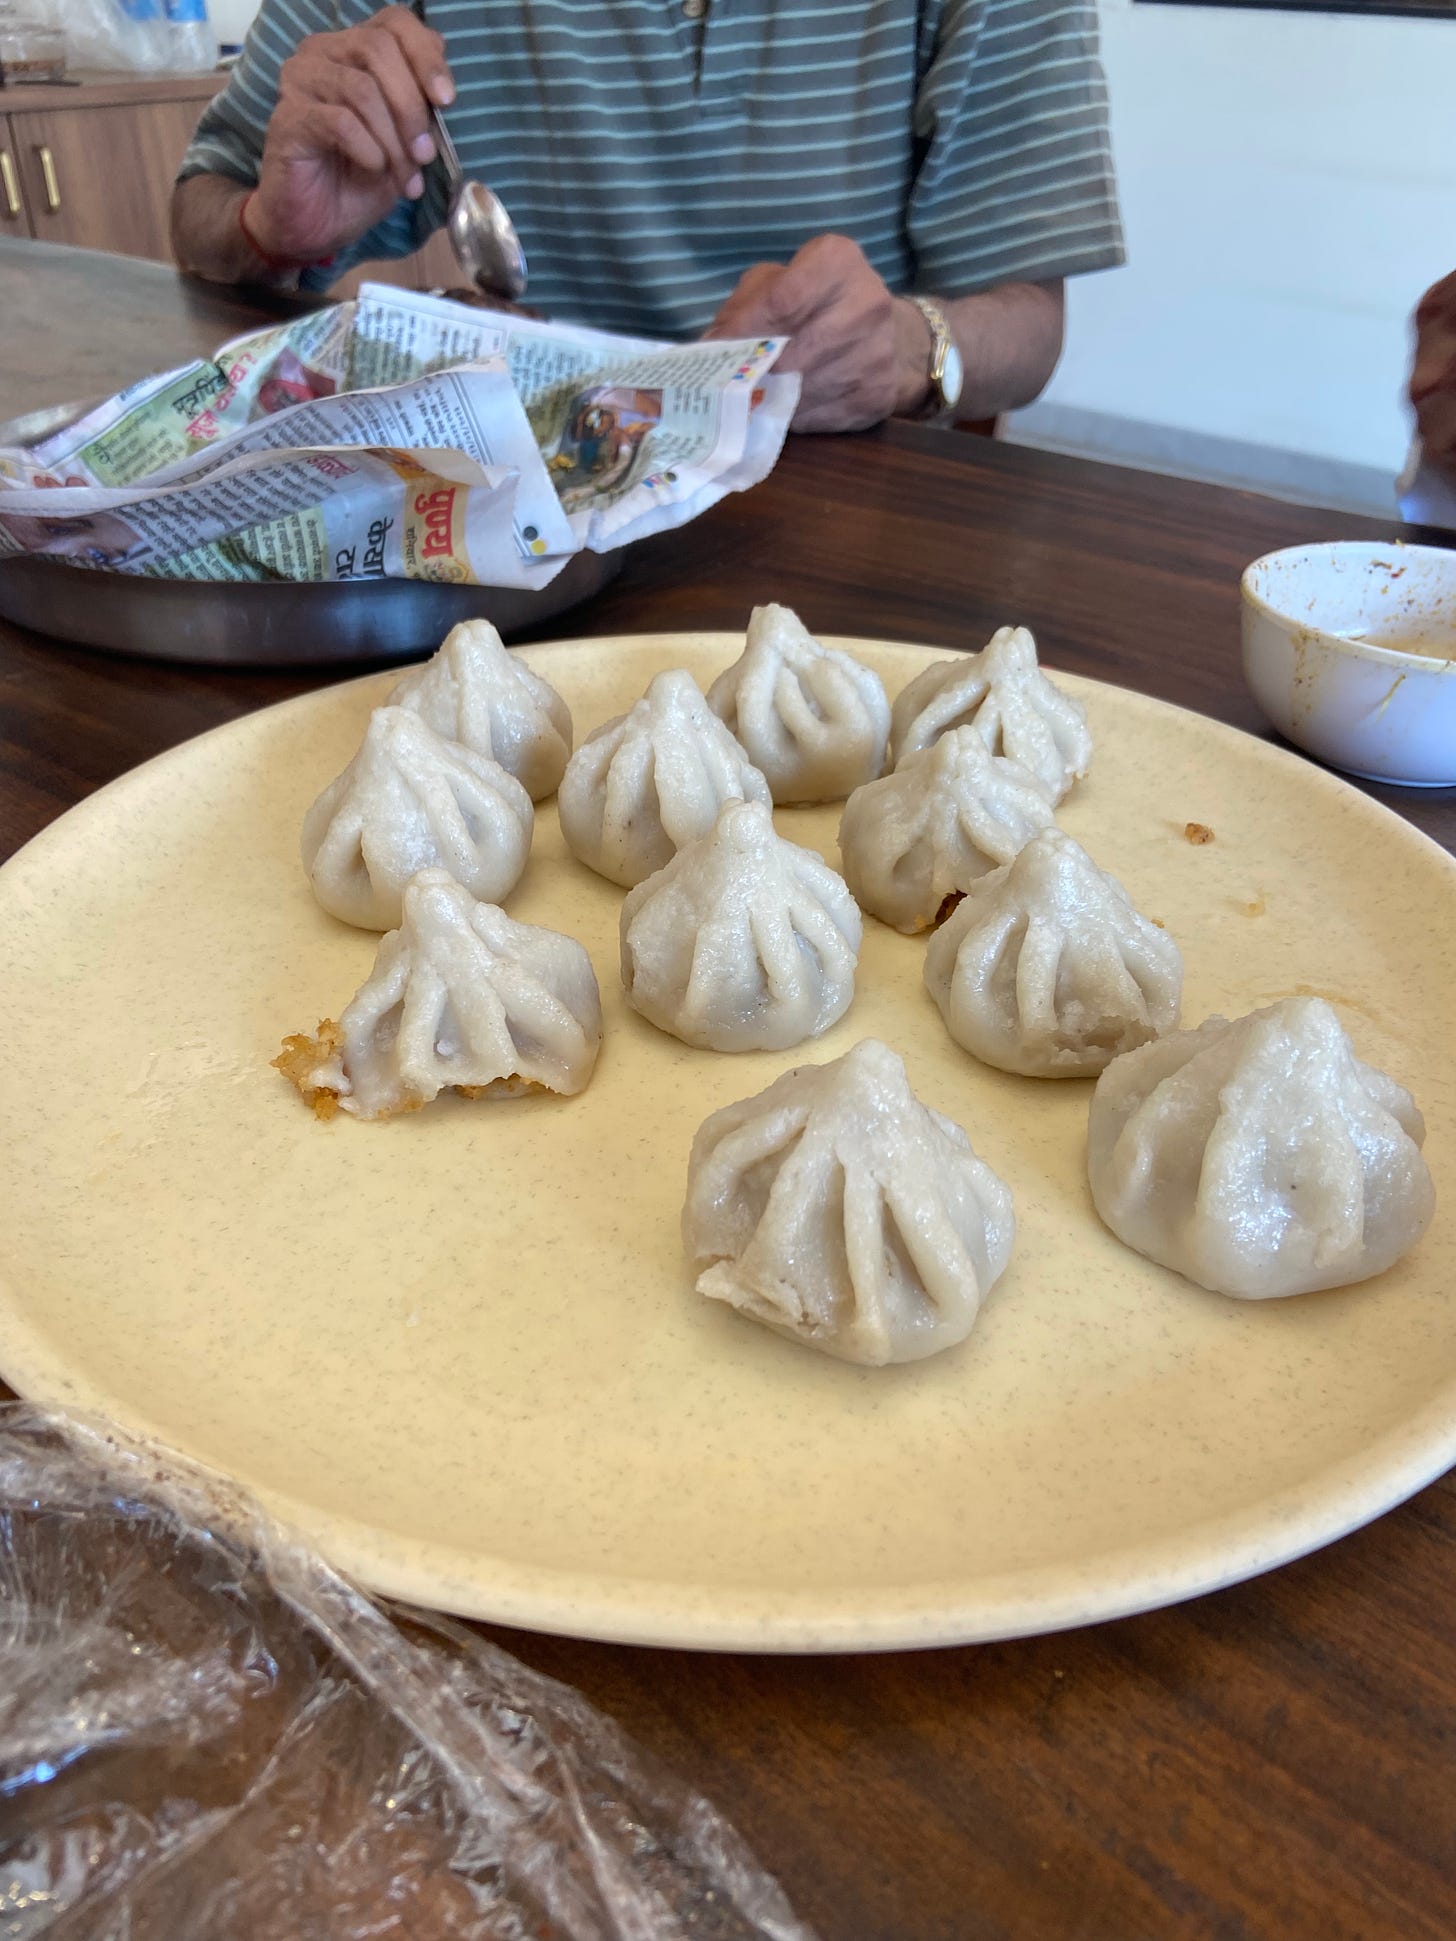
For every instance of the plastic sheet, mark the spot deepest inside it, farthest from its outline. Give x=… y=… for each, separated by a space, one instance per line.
x=206 y=1734
x=120 y=36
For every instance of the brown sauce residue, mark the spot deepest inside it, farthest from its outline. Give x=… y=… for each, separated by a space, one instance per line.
x=1197 y=833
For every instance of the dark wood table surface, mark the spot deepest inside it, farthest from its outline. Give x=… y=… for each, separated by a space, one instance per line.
x=1270 y=1763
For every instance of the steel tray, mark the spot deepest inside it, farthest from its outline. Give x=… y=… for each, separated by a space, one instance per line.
x=270 y=624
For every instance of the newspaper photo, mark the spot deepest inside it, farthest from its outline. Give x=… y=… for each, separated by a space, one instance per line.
x=401 y=436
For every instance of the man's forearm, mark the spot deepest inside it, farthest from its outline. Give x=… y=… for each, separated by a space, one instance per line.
x=1009 y=338
x=208 y=239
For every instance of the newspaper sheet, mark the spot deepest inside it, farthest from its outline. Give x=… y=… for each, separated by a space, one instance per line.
x=400 y=435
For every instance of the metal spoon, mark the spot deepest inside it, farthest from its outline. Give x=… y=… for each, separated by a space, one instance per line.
x=482 y=234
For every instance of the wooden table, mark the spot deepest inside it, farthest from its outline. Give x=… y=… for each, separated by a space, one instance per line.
x=1272 y=1763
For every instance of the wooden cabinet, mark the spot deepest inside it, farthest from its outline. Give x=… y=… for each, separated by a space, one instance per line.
x=94 y=165
x=102 y=177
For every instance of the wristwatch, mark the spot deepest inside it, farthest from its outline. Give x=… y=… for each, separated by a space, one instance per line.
x=947 y=373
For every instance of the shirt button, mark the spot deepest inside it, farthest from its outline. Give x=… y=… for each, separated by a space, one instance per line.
x=694 y=9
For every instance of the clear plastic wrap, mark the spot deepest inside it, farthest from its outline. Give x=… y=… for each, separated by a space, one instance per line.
x=206 y=1734
x=125 y=36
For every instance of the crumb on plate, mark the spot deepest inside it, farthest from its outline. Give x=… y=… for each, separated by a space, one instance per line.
x=301 y=1057
x=511 y=1087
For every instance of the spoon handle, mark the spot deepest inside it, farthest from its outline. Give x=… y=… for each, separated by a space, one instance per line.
x=454 y=174
x=448 y=154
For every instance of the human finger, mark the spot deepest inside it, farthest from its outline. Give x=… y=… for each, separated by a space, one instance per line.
x=854 y=333
x=355 y=89
x=814 y=347
x=319 y=75
x=423 y=50
x=381 y=56
x=820 y=275
x=1434 y=368
x=745 y=311
x=847 y=360
x=320 y=128
x=1436 y=424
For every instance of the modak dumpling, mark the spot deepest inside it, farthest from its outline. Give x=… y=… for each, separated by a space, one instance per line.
x=476 y=692
x=1045 y=967
x=1258 y=1156
x=944 y=817
x=460 y=995
x=642 y=785
x=411 y=800
x=838 y=1209
x=1003 y=694
x=743 y=942
x=815 y=720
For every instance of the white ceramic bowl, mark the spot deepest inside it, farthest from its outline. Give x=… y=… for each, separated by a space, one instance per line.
x=1316 y=620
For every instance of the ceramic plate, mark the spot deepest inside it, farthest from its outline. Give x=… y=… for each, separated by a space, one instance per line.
x=461 y=1350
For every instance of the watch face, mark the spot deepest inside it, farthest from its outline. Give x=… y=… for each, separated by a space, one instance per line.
x=952 y=376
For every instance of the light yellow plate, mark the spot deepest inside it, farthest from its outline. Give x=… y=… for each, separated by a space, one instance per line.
x=461 y=1350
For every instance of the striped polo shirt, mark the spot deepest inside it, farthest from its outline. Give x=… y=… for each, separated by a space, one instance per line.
x=648 y=156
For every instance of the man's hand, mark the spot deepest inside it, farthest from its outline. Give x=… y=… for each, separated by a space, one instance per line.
x=1433 y=376
x=350 y=135
x=863 y=354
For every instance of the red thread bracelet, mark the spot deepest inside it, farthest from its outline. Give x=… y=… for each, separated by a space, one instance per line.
x=280 y=264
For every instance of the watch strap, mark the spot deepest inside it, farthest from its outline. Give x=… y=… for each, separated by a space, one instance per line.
x=938 y=405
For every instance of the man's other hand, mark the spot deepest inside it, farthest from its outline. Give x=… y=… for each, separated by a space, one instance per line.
x=863 y=354
x=1433 y=376
x=350 y=135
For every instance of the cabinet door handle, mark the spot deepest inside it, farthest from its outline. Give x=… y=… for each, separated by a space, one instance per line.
x=9 y=183
x=48 y=176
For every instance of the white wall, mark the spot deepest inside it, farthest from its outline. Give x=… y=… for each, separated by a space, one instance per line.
x=231 y=19
x=1289 y=188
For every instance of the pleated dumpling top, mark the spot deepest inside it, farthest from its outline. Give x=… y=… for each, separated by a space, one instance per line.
x=652 y=779
x=836 y=1208
x=743 y=942
x=814 y=719
x=461 y=996
x=1046 y=968
x=944 y=817
x=1258 y=1156
x=412 y=800
x=1003 y=694
x=475 y=691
